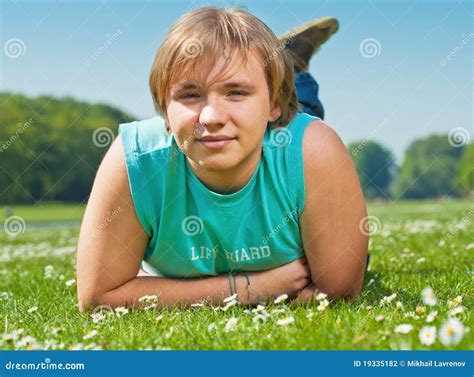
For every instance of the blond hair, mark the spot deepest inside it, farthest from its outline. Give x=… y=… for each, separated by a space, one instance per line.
x=213 y=32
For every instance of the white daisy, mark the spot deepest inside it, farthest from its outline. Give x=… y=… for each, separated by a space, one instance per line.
x=380 y=318
x=281 y=298
x=456 y=310
x=229 y=305
x=431 y=316
x=120 y=311
x=70 y=283
x=97 y=317
x=259 y=308
x=451 y=332
x=323 y=305
x=148 y=299
x=231 y=298
x=231 y=325
x=421 y=260
x=309 y=315
x=388 y=299
x=212 y=327
x=90 y=335
x=403 y=329
x=400 y=305
x=259 y=317
x=321 y=296
x=456 y=302
x=33 y=309
x=429 y=297
x=159 y=318
x=285 y=321
x=427 y=335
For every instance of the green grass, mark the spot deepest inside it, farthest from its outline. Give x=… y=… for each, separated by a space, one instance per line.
x=408 y=231
x=46 y=212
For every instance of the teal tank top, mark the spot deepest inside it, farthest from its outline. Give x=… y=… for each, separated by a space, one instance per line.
x=194 y=231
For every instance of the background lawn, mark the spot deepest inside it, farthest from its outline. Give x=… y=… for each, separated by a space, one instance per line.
x=414 y=245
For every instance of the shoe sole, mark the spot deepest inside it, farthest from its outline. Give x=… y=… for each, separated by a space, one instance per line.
x=321 y=23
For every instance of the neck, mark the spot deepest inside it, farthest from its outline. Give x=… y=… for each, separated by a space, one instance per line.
x=229 y=181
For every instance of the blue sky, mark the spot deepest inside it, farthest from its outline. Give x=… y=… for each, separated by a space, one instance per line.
x=419 y=82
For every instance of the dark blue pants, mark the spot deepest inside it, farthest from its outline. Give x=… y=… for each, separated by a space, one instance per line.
x=307 y=92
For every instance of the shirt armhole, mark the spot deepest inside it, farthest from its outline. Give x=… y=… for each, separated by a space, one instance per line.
x=138 y=186
x=296 y=159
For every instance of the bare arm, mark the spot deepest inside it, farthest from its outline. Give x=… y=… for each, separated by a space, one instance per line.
x=334 y=244
x=112 y=244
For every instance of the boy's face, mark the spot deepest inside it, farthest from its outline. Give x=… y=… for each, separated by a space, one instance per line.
x=236 y=108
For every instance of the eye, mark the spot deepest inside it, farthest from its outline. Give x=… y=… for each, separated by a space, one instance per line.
x=234 y=93
x=185 y=96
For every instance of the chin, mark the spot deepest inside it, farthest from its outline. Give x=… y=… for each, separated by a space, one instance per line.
x=217 y=163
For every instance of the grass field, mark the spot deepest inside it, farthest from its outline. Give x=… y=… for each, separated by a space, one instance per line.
x=413 y=246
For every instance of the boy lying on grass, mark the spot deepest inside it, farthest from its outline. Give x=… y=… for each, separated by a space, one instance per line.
x=238 y=192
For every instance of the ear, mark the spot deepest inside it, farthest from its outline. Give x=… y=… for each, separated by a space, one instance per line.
x=275 y=113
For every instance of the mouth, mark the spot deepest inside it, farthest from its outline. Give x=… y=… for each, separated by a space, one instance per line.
x=216 y=144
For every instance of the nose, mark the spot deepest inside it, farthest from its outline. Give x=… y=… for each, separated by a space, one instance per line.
x=213 y=114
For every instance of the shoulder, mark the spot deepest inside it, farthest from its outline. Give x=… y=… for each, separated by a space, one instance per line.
x=144 y=135
x=322 y=146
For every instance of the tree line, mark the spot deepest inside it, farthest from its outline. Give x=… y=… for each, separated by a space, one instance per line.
x=50 y=150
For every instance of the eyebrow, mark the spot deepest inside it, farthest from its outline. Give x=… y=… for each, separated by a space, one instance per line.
x=233 y=84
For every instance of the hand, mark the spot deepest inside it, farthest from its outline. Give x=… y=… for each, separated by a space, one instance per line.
x=306 y=294
x=290 y=278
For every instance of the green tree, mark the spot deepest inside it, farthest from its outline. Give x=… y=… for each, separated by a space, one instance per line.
x=46 y=147
x=465 y=171
x=428 y=169
x=375 y=167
